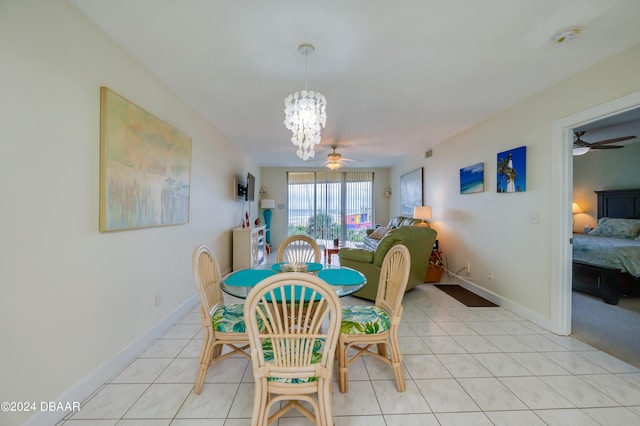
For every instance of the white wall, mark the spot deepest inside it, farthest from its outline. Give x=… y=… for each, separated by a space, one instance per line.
x=72 y=297
x=491 y=230
x=274 y=180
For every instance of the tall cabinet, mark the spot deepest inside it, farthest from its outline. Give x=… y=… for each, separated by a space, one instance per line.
x=248 y=247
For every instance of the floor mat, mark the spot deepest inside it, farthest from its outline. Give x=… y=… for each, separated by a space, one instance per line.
x=465 y=296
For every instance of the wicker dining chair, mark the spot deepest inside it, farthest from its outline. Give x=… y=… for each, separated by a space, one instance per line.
x=299 y=248
x=365 y=326
x=293 y=355
x=223 y=324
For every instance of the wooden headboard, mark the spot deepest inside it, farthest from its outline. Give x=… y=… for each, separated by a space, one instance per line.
x=619 y=203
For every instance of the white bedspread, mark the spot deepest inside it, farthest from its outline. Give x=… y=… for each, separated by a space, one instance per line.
x=620 y=253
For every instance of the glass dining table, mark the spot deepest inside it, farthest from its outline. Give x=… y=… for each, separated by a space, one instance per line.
x=343 y=280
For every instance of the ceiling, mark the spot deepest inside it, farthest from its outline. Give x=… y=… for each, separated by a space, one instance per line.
x=626 y=123
x=399 y=77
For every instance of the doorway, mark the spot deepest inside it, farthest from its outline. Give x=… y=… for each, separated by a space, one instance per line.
x=561 y=199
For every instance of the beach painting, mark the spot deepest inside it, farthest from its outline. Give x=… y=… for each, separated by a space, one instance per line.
x=472 y=179
x=145 y=168
x=411 y=192
x=512 y=170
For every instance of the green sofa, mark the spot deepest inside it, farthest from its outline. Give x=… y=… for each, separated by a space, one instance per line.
x=418 y=239
x=395 y=222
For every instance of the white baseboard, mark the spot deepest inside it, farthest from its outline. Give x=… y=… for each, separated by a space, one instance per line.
x=503 y=302
x=83 y=389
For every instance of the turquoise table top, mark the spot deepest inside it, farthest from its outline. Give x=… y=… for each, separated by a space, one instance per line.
x=344 y=280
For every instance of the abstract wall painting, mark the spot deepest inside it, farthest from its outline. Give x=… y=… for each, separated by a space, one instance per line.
x=512 y=170
x=145 y=168
x=472 y=179
x=411 y=191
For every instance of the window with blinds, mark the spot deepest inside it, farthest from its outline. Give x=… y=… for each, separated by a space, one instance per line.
x=330 y=205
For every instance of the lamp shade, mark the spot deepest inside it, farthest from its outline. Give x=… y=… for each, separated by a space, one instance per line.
x=575 y=208
x=268 y=203
x=422 y=212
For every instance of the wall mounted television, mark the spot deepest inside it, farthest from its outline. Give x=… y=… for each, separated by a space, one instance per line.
x=251 y=188
x=247 y=190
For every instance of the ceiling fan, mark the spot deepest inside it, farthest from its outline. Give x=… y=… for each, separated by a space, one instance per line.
x=581 y=147
x=334 y=160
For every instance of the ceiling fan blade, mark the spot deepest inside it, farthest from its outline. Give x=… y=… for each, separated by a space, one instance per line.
x=595 y=146
x=614 y=140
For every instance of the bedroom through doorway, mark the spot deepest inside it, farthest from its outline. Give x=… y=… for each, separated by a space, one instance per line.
x=605 y=326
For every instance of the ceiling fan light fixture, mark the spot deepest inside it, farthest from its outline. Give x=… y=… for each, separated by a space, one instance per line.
x=305 y=114
x=334 y=165
x=581 y=150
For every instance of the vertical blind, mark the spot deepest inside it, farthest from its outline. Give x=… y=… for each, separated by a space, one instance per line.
x=329 y=205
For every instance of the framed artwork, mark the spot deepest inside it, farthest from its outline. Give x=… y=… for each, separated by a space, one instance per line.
x=411 y=191
x=145 y=168
x=512 y=170
x=472 y=179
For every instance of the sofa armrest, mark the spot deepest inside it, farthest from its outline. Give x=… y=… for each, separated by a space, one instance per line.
x=358 y=255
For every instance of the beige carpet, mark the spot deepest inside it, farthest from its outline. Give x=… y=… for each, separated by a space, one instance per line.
x=631 y=303
x=614 y=329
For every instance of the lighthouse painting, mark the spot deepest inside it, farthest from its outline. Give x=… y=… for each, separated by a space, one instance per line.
x=512 y=170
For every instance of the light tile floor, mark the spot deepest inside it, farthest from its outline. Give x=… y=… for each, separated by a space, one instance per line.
x=463 y=366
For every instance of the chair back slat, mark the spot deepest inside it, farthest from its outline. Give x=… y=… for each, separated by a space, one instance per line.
x=298 y=248
x=394 y=276
x=207 y=275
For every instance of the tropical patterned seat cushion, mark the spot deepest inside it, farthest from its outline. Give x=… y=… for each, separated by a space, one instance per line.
x=364 y=320
x=316 y=357
x=229 y=319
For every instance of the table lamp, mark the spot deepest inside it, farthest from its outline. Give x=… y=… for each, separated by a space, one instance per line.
x=267 y=204
x=575 y=209
x=422 y=212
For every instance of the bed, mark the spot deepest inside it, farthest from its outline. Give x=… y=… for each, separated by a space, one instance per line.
x=606 y=262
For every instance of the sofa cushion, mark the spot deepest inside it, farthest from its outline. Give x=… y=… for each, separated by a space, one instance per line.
x=392 y=238
x=399 y=221
x=379 y=232
x=360 y=255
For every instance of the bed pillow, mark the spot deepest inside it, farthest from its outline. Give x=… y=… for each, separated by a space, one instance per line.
x=380 y=232
x=617 y=228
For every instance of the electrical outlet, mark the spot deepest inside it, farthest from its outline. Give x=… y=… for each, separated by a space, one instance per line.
x=490 y=276
x=467 y=266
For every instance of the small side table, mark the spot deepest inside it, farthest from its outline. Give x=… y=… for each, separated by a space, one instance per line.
x=330 y=249
x=434 y=270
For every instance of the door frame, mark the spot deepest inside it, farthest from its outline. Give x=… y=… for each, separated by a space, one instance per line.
x=561 y=198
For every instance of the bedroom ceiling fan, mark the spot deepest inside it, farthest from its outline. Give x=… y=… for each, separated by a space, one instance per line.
x=334 y=160
x=581 y=147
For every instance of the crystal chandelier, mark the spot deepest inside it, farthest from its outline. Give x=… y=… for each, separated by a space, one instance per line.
x=305 y=114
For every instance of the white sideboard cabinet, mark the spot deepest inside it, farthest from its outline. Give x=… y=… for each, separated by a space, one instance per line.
x=248 y=247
